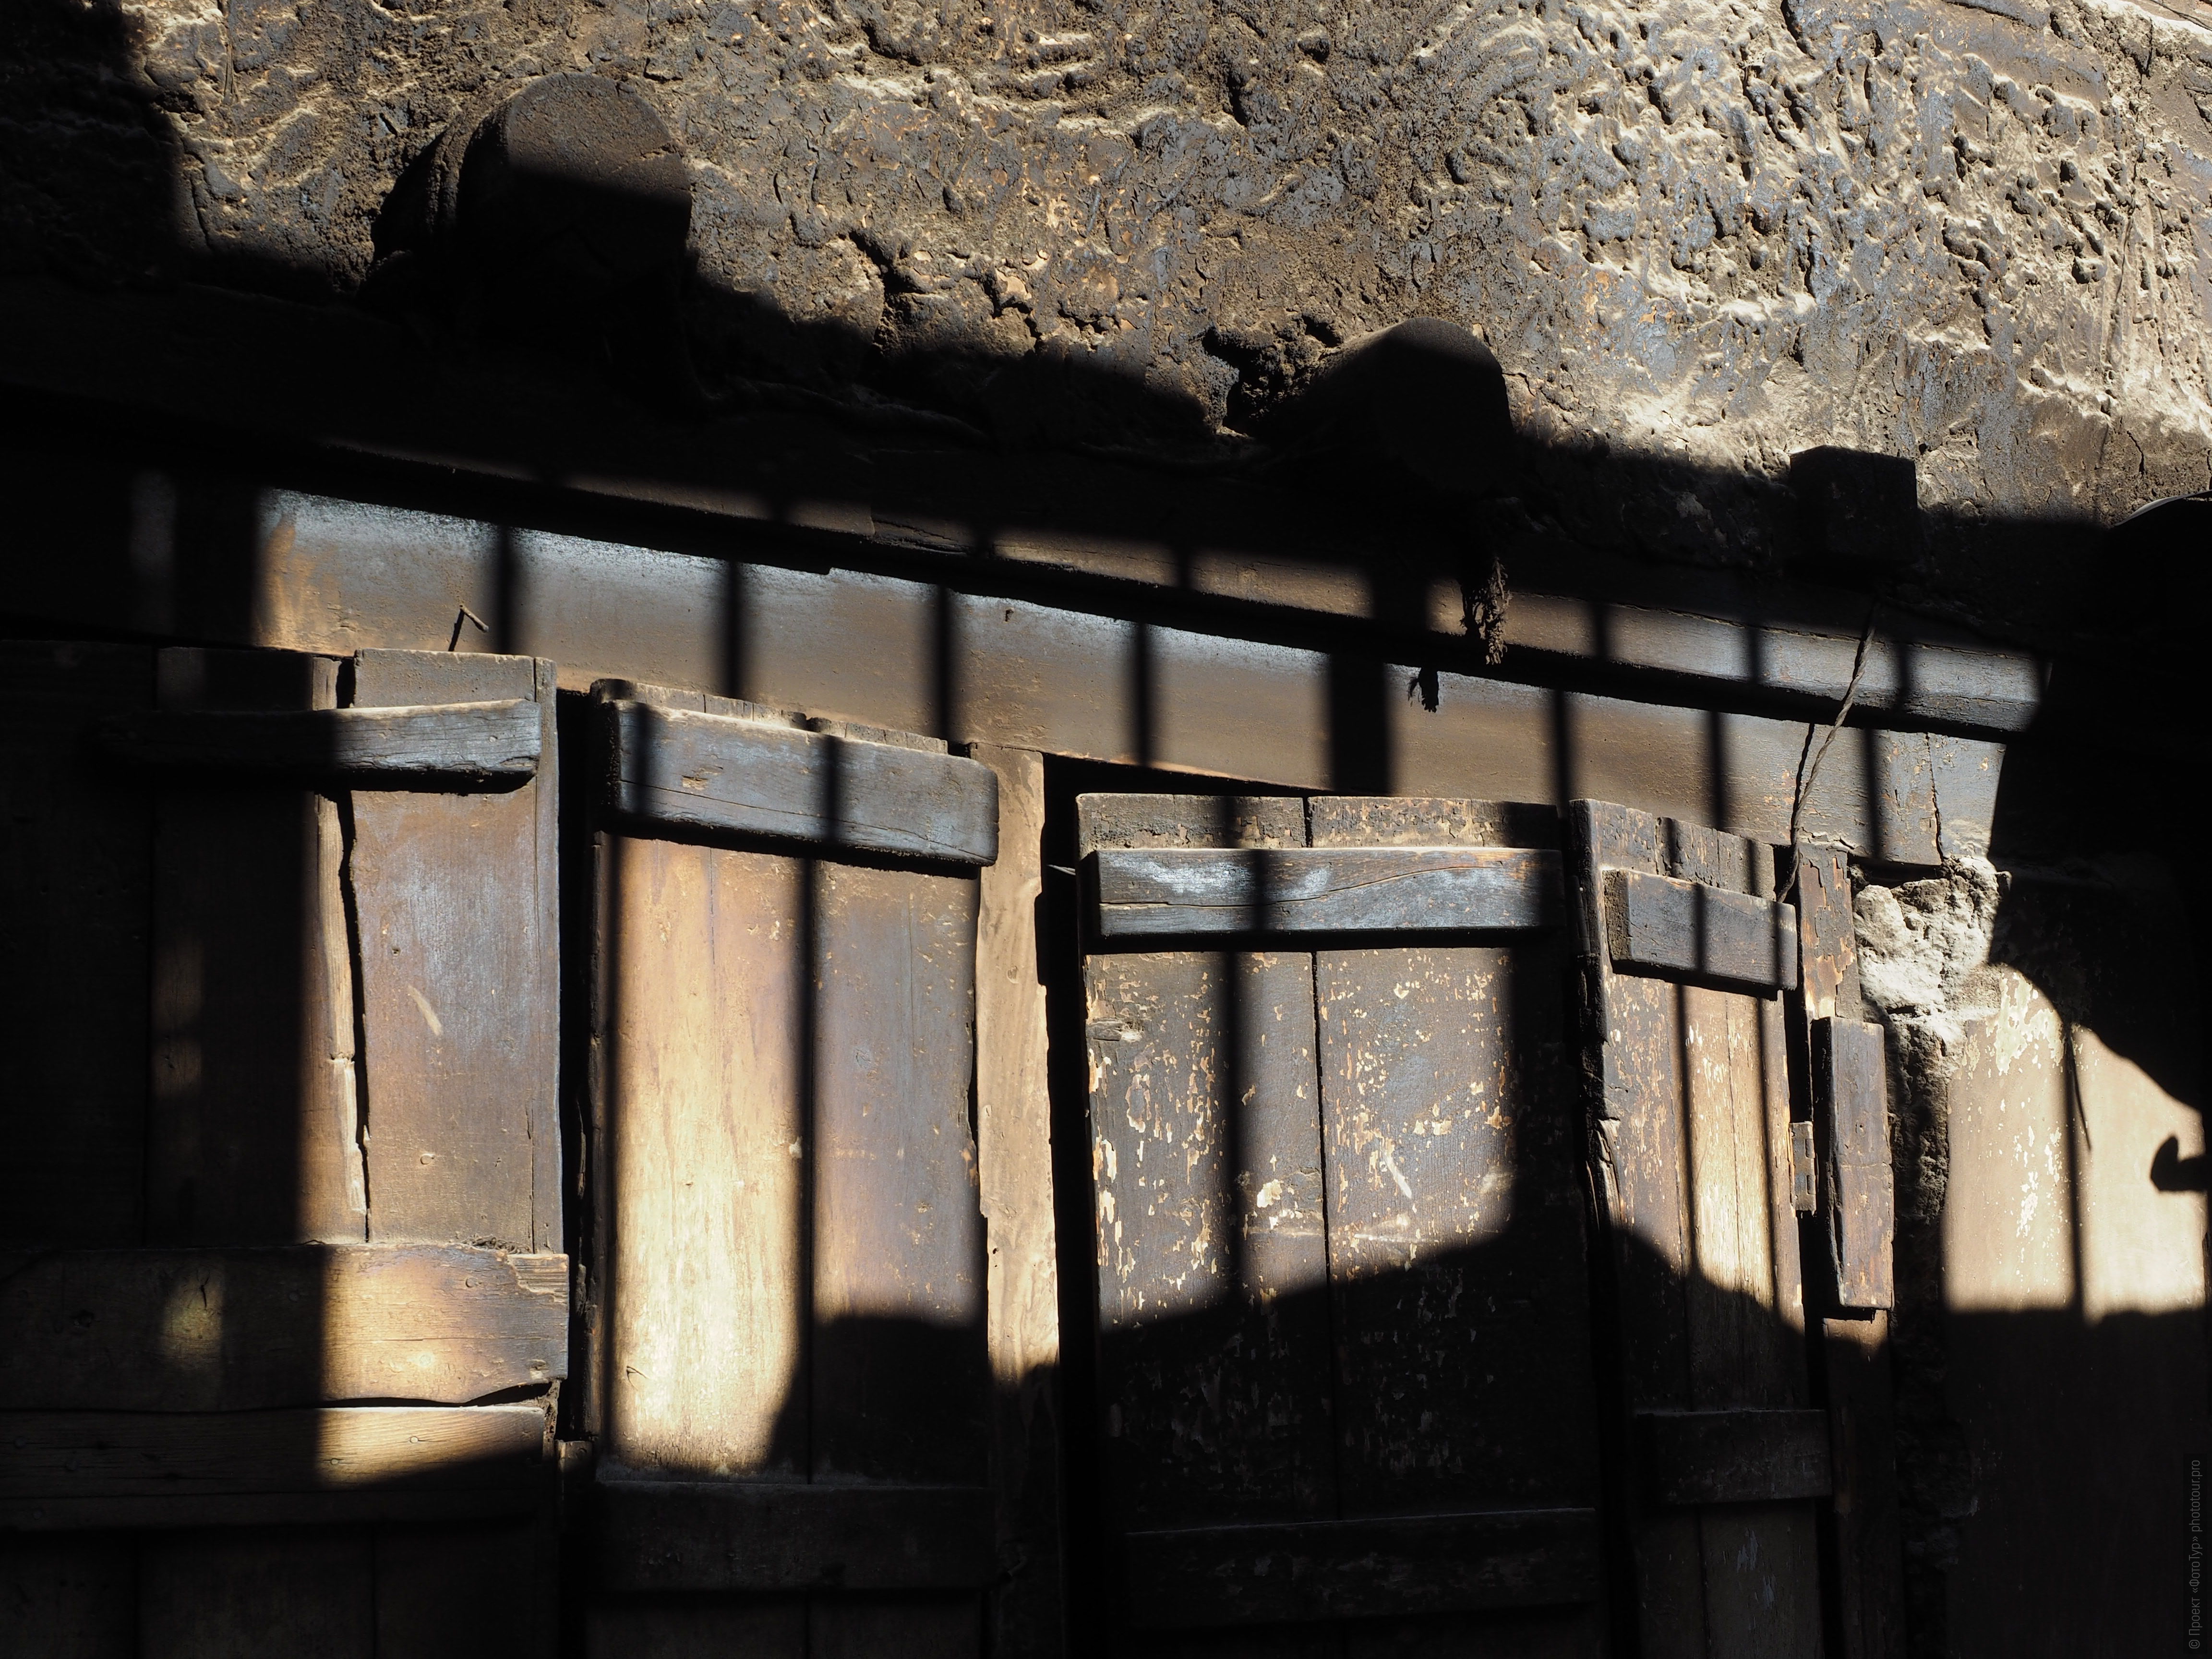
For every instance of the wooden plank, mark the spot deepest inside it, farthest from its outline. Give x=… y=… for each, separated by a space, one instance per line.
x=244 y=1329
x=258 y=1595
x=1153 y=821
x=69 y=1598
x=488 y=741
x=1316 y=890
x=1869 y=1555
x=1734 y=1457
x=97 y=1455
x=1851 y=1103
x=1208 y=1576
x=1013 y=1141
x=894 y=1627
x=900 y=1375
x=762 y=1628
x=1641 y=1175
x=755 y=777
x=658 y=1536
x=1658 y=925
x=1211 y=1259
x=466 y=1591
x=1827 y=941
x=1413 y=821
x=700 y=1010
x=455 y=900
x=75 y=871
x=1458 y=1280
x=255 y=1136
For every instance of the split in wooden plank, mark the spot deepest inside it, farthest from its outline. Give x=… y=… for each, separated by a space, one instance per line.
x=1210 y=1575
x=1168 y=890
x=761 y=778
x=1660 y=925
x=749 y=1535
x=1851 y=1101
x=58 y=1459
x=1748 y=1456
x=498 y=741
x=246 y=1329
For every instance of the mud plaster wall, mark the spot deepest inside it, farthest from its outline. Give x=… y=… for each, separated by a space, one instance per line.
x=1713 y=230
x=2050 y=1336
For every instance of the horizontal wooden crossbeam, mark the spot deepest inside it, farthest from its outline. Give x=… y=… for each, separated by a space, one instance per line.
x=77 y=1469
x=488 y=742
x=762 y=778
x=1693 y=1458
x=1660 y=925
x=1195 y=1576
x=1156 y=892
x=752 y=1535
x=187 y=1330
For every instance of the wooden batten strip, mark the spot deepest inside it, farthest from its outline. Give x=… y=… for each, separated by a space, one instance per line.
x=124 y=1470
x=1153 y=892
x=761 y=778
x=1692 y=1458
x=743 y=1535
x=1851 y=1108
x=1662 y=924
x=1190 y=1578
x=201 y=1330
x=490 y=742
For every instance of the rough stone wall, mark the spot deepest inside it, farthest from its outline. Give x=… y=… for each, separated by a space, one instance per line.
x=1709 y=231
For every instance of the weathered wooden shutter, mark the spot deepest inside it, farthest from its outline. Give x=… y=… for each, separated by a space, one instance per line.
x=1343 y=1368
x=280 y=1139
x=1694 y=967
x=790 y=1383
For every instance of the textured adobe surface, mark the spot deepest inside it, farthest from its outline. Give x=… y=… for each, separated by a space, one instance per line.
x=1704 y=232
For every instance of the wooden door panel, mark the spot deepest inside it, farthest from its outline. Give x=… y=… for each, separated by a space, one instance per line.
x=700 y=1000
x=1212 y=1264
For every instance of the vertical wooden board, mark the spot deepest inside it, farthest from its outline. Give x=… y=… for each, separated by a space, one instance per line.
x=454 y=900
x=480 y=1592
x=253 y=1137
x=1013 y=1134
x=1735 y=1329
x=1455 y=1257
x=756 y=1628
x=1870 y=1558
x=700 y=1046
x=73 y=1596
x=894 y=1627
x=1827 y=944
x=899 y=1370
x=1206 y=1171
x=76 y=868
x=252 y=1594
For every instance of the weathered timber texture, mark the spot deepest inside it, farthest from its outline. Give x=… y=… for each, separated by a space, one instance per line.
x=1868 y=1556
x=493 y=741
x=765 y=779
x=467 y=1589
x=1827 y=946
x=244 y=1329
x=1851 y=1101
x=1316 y=890
x=110 y=1469
x=1013 y=1147
x=455 y=899
x=1691 y=1147
x=76 y=872
x=749 y=1536
x=1741 y=1457
x=702 y=980
x=1205 y=1576
x=69 y=1597
x=258 y=1595
x=1659 y=926
x=255 y=1130
x=898 y=1368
